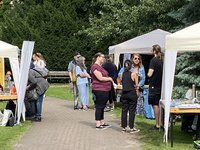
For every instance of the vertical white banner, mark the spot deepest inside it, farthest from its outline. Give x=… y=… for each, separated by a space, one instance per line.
x=26 y=55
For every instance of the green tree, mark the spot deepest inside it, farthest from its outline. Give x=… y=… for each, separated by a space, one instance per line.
x=187 y=68
x=117 y=20
x=52 y=25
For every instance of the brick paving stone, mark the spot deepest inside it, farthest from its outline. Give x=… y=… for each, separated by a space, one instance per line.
x=63 y=128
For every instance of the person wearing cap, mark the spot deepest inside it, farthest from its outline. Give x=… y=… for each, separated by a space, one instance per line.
x=71 y=69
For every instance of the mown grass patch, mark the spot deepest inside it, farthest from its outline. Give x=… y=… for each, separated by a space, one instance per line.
x=10 y=135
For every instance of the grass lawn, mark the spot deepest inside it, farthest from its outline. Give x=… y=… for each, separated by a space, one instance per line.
x=10 y=135
x=150 y=140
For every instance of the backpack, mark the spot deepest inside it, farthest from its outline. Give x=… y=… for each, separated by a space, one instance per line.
x=74 y=78
x=42 y=71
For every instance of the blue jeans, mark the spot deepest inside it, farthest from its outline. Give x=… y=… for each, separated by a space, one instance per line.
x=84 y=93
x=39 y=105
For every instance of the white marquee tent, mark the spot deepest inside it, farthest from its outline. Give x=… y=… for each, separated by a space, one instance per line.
x=141 y=44
x=187 y=39
x=20 y=74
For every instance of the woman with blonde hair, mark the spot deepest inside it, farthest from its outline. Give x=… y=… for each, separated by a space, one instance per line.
x=82 y=82
x=101 y=85
x=39 y=60
x=139 y=71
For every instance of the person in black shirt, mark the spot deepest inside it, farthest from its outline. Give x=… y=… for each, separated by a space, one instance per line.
x=129 y=97
x=111 y=68
x=155 y=81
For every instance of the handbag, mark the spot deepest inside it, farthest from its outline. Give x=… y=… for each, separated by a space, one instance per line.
x=11 y=121
x=1 y=117
x=6 y=115
x=32 y=95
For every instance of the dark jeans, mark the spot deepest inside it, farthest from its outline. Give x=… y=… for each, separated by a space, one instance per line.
x=30 y=108
x=129 y=103
x=101 y=98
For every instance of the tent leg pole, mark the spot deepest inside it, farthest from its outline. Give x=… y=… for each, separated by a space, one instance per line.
x=172 y=133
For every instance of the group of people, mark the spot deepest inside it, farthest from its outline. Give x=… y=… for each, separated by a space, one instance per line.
x=104 y=76
x=38 y=83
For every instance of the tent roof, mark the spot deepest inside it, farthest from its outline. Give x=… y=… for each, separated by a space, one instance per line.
x=184 y=40
x=141 y=44
x=8 y=50
x=187 y=39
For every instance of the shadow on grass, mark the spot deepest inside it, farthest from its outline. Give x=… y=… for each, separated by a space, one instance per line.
x=154 y=138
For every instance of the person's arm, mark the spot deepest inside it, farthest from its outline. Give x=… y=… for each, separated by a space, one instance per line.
x=142 y=77
x=150 y=73
x=120 y=73
x=42 y=64
x=70 y=68
x=82 y=74
x=99 y=76
x=32 y=80
x=151 y=68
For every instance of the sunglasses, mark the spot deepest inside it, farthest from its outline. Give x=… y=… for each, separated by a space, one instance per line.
x=136 y=58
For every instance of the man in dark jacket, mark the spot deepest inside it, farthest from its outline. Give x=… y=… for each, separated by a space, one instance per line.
x=111 y=68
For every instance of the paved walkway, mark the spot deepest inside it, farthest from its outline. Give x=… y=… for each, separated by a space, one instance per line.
x=63 y=128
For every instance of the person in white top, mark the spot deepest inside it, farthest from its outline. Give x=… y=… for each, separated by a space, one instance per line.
x=38 y=60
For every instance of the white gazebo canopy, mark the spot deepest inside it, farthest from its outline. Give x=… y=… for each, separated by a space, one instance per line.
x=187 y=39
x=11 y=52
x=141 y=44
x=20 y=74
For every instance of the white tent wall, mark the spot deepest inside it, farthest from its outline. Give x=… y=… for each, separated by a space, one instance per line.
x=187 y=39
x=169 y=68
x=141 y=44
x=26 y=55
x=14 y=63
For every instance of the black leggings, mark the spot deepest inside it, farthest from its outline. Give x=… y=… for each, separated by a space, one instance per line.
x=101 y=98
x=129 y=103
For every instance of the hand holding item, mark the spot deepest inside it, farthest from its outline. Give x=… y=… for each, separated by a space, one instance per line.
x=114 y=85
x=119 y=81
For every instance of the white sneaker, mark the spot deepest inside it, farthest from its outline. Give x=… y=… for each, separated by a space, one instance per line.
x=124 y=130
x=134 y=130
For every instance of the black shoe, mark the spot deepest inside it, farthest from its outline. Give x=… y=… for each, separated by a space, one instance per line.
x=100 y=128
x=37 y=119
x=106 y=125
x=155 y=128
x=76 y=108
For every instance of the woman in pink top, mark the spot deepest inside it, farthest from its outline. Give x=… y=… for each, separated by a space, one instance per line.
x=101 y=85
